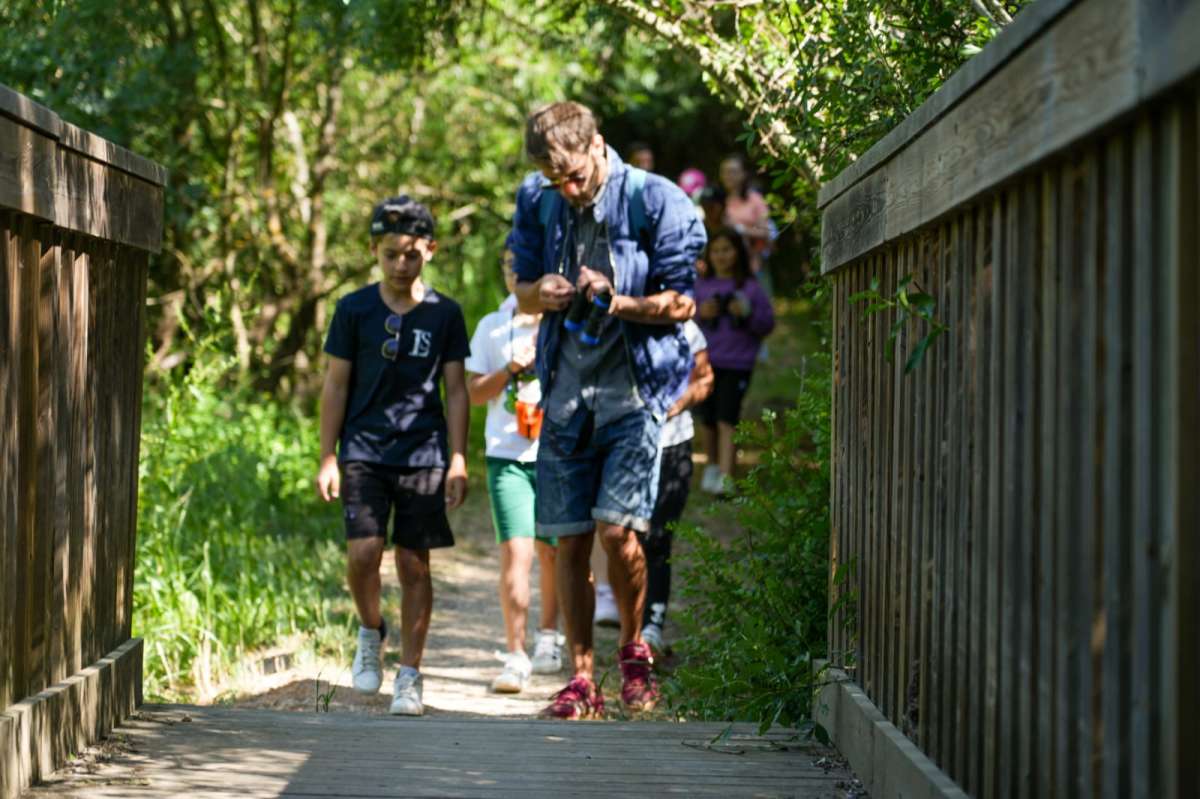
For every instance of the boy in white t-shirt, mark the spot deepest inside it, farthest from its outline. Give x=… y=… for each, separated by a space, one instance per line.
x=674 y=483
x=500 y=373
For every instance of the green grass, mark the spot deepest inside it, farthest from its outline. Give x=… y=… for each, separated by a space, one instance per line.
x=234 y=549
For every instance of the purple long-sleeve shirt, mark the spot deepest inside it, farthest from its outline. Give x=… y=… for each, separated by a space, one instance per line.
x=733 y=346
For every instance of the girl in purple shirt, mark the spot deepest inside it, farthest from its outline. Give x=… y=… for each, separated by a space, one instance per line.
x=735 y=314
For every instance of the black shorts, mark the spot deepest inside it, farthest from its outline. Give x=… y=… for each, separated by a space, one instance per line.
x=674 y=484
x=724 y=404
x=371 y=492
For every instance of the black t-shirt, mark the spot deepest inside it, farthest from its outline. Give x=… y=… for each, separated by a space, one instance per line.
x=394 y=414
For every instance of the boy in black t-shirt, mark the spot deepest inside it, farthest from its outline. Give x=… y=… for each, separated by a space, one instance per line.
x=389 y=345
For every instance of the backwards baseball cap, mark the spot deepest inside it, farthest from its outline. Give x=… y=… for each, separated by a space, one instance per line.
x=402 y=215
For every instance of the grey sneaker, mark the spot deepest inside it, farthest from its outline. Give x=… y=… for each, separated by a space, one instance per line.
x=367 y=671
x=547 y=652
x=652 y=635
x=406 y=693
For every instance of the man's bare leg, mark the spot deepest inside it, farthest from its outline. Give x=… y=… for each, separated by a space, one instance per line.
x=577 y=599
x=547 y=561
x=627 y=575
x=416 y=603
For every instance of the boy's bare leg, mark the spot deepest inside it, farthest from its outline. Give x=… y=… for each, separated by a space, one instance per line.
x=363 y=557
x=577 y=599
x=547 y=557
x=516 y=561
x=416 y=603
x=627 y=575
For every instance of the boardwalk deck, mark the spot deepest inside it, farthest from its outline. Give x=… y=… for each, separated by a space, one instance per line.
x=217 y=752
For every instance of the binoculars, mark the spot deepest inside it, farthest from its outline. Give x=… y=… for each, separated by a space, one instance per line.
x=586 y=318
x=723 y=299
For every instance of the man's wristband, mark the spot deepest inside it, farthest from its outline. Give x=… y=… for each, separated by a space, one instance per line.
x=508 y=368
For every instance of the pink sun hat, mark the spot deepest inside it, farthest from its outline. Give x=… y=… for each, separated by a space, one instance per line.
x=692 y=181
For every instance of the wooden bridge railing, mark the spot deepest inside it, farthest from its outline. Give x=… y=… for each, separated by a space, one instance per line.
x=1021 y=512
x=79 y=217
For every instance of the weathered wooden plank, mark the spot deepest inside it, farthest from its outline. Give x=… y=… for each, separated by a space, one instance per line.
x=950 y=311
x=1176 y=209
x=965 y=667
x=9 y=450
x=1066 y=434
x=136 y=356
x=909 y=559
x=885 y=419
x=835 y=638
x=926 y=274
x=1027 y=311
x=981 y=314
x=1047 y=529
x=1009 y=332
x=101 y=150
x=868 y=487
x=27 y=170
x=1090 y=586
x=1183 y=252
x=1116 y=520
x=76 y=392
x=28 y=653
x=1144 y=735
x=901 y=480
x=936 y=559
x=61 y=302
x=94 y=198
x=45 y=479
x=993 y=520
x=31 y=114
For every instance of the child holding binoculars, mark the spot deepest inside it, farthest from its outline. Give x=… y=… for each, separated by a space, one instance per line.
x=735 y=315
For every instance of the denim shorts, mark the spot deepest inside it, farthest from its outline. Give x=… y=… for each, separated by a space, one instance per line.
x=585 y=474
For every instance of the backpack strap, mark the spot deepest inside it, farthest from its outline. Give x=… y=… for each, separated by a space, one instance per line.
x=546 y=206
x=635 y=183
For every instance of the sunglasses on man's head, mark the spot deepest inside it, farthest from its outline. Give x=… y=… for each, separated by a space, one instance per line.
x=391 y=347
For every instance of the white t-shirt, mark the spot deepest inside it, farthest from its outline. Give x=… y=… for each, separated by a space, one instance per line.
x=678 y=428
x=492 y=349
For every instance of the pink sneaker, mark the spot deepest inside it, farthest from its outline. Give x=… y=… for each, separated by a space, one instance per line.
x=581 y=699
x=639 y=689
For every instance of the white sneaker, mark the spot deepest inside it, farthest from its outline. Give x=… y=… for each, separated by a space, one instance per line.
x=367 y=671
x=711 y=482
x=406 y=693
x=606 y=607
x=652 y=635
x=547 y=652
x=515 y=674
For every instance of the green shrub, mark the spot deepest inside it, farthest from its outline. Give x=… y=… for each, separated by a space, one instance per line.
x=234 y=550
x=755 y=609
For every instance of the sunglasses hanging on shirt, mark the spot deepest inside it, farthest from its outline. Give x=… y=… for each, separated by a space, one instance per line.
x=391 y=346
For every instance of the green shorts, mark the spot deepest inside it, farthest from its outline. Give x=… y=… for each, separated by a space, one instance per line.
x=511 y=489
